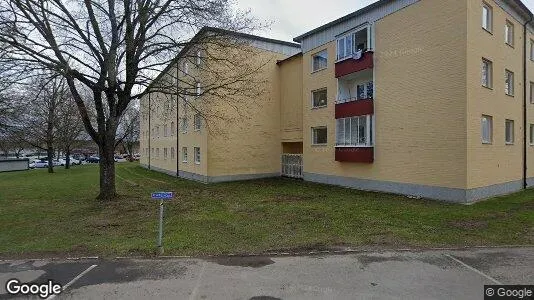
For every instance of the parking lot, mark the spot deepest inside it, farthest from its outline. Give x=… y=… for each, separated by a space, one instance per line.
x=369 y=275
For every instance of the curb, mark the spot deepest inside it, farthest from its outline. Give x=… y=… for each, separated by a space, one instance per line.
x=279 y=254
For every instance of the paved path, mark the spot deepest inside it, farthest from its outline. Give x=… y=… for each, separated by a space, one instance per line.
x=381 y=275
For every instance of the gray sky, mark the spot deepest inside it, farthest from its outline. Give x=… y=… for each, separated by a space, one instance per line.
x=291 y=18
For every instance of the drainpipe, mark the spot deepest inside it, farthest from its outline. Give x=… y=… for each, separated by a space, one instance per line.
x=177 y=123
x=525 y=123
x=149 y=131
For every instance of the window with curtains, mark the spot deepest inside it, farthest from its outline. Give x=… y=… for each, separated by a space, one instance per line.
x=355 y=131
x=319 y=136
x=184 y=154
x=487 y=17
x=197 y=155
x=509 y=132
x=509 y=82
x=509 y=33
x=487 y=129
x=319 y=61
x=487 y=71
x=319 y=98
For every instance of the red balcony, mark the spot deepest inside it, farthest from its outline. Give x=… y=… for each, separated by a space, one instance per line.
x=355 y=108
x=350 y=65
x=355 y=154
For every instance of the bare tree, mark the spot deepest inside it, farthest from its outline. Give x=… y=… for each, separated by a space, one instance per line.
x=129 y=131
x=44 y=99
x=69 y=128
x=113 y=48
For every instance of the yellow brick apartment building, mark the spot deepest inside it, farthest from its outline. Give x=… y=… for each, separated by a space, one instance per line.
x=424 y=98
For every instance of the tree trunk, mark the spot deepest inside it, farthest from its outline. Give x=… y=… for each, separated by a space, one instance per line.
x=50 y=152
x=67 y=158
x=107 y=171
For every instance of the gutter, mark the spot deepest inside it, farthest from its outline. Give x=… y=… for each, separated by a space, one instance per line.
x=525 y=123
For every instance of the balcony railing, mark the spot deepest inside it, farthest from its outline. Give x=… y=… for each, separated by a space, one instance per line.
x=364 y=91
x=354 y=64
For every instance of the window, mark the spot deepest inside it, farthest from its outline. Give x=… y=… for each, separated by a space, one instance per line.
x=531 y=49
x=157 y=130
x=173 y=129
x=509 y=132
x=487 y=17
x=157 y=152
x=319 y=98
x=165 y=130
x=185 y=124
x=197 y=155
x=345 y=46
x=509 y=83
x=197 y=122
x=365 y=90
x=198 y=88
x=172 y=153
x=199 y=57
x=487 y=73
x=184 y=154
x=531 y=134
x=509 y=33
x=186 y=68
x=319 y=136
x=354 y=131
x=487 y=129
x=152 y=151
x=532 y=92
x=165 y=154
x=320 y=61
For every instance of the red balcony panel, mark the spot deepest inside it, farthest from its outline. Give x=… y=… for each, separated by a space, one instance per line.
x=355 y=108
x=351 y=65
x=355 y=154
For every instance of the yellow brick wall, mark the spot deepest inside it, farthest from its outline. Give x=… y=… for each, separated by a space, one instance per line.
x=420 y=101
x=498 y=162
x=290 y=72
x=245 y=138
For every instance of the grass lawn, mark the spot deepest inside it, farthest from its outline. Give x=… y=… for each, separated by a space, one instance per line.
x=45 y=214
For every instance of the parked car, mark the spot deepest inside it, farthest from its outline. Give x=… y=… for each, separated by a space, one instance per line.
x=75 y=162
x=93 y=159
x=120 y=159
x=39 y=164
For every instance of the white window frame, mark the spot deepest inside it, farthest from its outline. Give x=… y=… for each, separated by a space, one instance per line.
x=184 y=155
x=196 y=153
x=313 y=98
x=197 y=122
x=369 y=132
x=509 y=33
x=186 y=68
x=509 y=82
x=313 y=129
x=489 y=73
x=198 y=87
x=324 y=51
x=489 y=121
x=509 y=140
x=488 y=20
x=184 y=126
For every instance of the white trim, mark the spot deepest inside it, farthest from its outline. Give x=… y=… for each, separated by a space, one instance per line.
x=325 y=50
x=312 y=137
x=313 y=100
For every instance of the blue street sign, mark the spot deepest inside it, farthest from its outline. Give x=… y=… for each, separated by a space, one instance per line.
x=163 y=195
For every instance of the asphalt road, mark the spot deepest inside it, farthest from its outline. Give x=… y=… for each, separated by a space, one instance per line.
x=364 y=275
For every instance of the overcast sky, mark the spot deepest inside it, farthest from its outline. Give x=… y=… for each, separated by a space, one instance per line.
x=290 y=18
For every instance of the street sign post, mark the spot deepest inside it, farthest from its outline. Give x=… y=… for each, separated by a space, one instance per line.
x=161 y=196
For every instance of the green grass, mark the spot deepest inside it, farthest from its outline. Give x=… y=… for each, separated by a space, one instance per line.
x=45 y=214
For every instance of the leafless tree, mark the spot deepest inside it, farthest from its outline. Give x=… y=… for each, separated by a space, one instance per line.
x=113 y=48
x=129 y=131
x=44 y=99
x=69 y=128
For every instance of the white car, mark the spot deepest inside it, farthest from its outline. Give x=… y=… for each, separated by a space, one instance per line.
x=38 y=164
x=119 y=159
